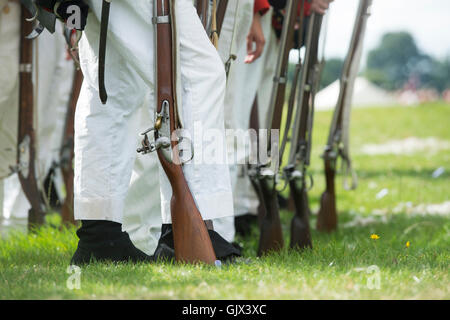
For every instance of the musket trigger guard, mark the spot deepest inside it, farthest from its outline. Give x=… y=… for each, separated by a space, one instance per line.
x=286 y=182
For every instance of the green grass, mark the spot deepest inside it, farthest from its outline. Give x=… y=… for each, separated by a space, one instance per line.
x=35 y=266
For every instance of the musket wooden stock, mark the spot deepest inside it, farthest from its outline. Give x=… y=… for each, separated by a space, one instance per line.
x=300 y=230
x=191 y=238
x=271 y=235
x=327 y=215
x=67 y=150
x=26 y=153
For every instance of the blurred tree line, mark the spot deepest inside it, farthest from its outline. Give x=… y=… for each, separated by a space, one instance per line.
x=397 y=62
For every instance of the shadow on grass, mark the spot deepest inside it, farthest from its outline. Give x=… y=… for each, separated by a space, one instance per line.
x=35 y=266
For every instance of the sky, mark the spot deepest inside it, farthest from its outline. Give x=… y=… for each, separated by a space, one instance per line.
x=427 y=20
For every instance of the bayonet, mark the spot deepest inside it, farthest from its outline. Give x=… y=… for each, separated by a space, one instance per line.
x=191 y=238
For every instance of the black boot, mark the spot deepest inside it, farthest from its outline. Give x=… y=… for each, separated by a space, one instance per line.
x=244 y=224
x=105 y=241
x=225 y=251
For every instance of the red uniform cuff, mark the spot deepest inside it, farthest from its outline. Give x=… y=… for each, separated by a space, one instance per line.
x=261 y=6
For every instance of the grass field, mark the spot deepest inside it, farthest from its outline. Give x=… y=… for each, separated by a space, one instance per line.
x=345 y=265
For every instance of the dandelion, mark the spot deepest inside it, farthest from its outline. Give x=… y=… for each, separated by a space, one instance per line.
x=374 y=237
x=408 y=244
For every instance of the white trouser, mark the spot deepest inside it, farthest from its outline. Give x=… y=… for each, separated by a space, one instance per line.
x=250 y=80
x=105 y=135
x=9 y=85
x=53 y=74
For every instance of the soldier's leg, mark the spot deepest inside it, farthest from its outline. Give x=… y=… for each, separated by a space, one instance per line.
x=54 y=85
x=247 y=79
x=105 y=136
x=203 y=89
x=142 y=215
x=236 y=25
x=248 y=203
x=105 y=144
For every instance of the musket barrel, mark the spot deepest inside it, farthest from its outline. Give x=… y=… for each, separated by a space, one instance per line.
x=283 y=55
x=305 y=85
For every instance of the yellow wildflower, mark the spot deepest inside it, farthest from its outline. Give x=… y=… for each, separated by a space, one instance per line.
x=374 y=236
x=408 y=244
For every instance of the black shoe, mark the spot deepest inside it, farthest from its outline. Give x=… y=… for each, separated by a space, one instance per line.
x=105 y=241
x=243 y=224
x=224 y=250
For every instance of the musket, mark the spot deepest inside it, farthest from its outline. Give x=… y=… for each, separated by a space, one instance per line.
x=264 y=178
x=299 y=158
x=191 y=239
x=26 y=153
x=338 y=139
x=232 y=53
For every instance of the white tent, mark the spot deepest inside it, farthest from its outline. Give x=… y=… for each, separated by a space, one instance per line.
x=365 y=94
